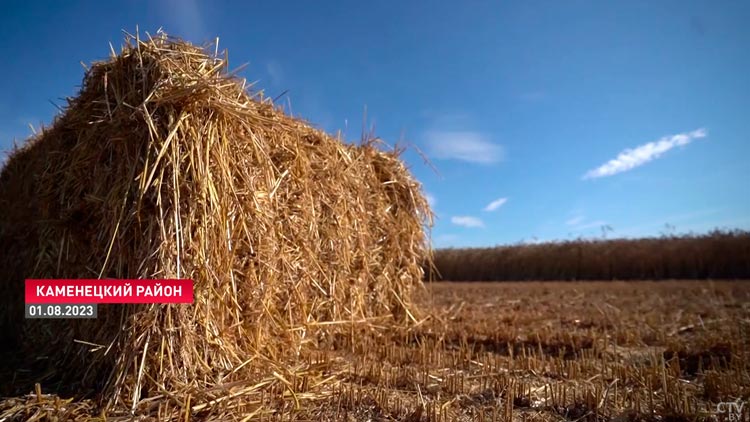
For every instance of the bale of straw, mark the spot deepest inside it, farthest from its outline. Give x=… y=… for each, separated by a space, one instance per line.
x=165 y=166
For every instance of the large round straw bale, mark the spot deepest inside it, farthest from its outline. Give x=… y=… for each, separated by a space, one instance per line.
x=164 y=166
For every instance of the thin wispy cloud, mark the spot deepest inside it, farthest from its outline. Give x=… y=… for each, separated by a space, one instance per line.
x=532 y=241
x=469 y=146
x=532 y=96
x=25 y=127
x=580 y=223
x=309 y=103
x=632 y=158
x=575 y=221
x=25 y=121
x=449 y=120
x=275 y=72
x=467 y=221
x=431 y=200
x=445 y=240
x=590 y=225
x=494 y=205
x=679 y=220
x=186 y=18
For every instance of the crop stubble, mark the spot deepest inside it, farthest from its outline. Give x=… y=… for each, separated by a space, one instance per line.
x=550 y=351
x=560 y=351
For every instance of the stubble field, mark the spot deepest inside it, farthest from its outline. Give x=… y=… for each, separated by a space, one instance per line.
x=556 y=351
x=531 y=351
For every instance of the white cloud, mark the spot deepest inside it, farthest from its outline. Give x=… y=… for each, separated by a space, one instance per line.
x=467 y=221
x=575 y=220
x=632 y=158
x=469 y=146
x=499 y=202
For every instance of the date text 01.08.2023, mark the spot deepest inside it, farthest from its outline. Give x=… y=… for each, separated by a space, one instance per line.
x=60 y=311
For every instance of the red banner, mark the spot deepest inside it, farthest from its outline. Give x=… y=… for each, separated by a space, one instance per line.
x=108 y=291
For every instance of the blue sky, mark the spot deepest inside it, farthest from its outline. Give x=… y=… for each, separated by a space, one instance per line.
x=542 y=120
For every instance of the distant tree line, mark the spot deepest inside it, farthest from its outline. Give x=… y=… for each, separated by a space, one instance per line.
x=716 y=255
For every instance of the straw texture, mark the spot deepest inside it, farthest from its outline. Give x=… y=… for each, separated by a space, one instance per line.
x=166 y=166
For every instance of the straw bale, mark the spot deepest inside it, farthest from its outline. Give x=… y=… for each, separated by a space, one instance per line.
x=167 y=166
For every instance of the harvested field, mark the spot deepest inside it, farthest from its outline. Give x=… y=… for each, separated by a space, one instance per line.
x=547 y=351
x=561 y=351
